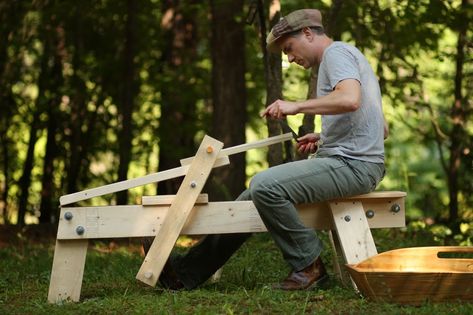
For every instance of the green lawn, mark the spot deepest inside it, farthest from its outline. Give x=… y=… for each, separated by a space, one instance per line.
x=109 y=285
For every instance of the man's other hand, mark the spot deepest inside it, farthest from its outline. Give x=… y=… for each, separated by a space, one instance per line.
x=308 y=143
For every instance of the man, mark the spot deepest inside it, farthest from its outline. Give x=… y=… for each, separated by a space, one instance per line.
x=350 y=161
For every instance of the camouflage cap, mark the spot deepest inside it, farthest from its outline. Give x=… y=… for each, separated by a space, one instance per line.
x=294 y=21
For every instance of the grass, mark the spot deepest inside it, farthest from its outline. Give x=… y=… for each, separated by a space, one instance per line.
x=109 y=285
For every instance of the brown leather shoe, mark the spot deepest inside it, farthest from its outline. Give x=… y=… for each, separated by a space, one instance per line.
x=306 y=279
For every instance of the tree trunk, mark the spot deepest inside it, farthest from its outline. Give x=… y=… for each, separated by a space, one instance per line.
x=273 y=75
x=178 y=122
x=129 y=92
x=48 y=207
x=40 y=103
x=10 y=13
x=47 y=183
x=458 y=116
x=25 y=180
x=228 y=93
x=332 y=23
x=6 y=175
x=77 y=105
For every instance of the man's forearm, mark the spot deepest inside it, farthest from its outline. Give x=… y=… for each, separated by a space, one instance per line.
x=346 y=97
x=334 y=103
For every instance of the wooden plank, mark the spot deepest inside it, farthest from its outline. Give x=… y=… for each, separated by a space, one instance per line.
x=211 y=218
x=168 y=199
x=353 y=231
x=179 y=211
x=131 y=183
x=247 y=146
x=336 y=252
x=377 y=195
x=67 y=270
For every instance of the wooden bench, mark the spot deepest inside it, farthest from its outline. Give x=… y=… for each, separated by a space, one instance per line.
x=189 y=213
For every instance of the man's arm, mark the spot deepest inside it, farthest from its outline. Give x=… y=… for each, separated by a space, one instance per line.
x=386 y=128
x=346 y=97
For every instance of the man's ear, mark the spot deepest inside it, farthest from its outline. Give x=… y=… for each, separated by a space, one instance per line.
x=308 y=33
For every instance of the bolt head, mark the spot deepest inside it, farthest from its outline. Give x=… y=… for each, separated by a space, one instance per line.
x=395 y=208
x=80 y=230
x=68 y=216
x=347 y=218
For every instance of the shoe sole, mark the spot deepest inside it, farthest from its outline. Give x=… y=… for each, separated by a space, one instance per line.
x=319 y=284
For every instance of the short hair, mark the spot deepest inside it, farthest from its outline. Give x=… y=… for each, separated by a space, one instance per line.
x=319 y=30
x=316 y=29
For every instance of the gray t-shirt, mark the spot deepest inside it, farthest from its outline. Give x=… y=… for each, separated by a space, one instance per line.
x=359 y=134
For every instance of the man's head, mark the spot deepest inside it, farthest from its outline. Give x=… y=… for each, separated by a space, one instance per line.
x=294 y=34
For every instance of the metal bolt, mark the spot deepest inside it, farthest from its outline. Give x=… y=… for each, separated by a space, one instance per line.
x=347 y=218
x=369 y=214
x=193 y=184
x=210 y=149
x=148 y=274
x=395 y=208
x=68 y=216
x=80 y=230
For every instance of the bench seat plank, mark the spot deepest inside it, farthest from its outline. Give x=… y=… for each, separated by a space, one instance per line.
x=211 y=218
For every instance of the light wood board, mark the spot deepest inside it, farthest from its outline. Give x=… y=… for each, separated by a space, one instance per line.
x=168 y=199
x=67 y=271
x=131 y=183
x=211 y=218
x=247 y=146
x=179 y=211
x=353 y=231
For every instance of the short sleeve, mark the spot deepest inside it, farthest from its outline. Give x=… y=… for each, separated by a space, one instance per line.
x=341 y=64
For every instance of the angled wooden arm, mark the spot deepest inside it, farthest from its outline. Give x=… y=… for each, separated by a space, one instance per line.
x=247 y=146
x=131 y=183
x=222 y=159
x=179 y=211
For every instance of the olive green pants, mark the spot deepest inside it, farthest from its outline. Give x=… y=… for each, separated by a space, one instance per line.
x=275 y=192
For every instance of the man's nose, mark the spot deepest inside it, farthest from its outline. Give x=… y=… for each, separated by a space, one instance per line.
x=290 y=58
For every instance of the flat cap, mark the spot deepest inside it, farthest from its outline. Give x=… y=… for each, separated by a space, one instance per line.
x=292 y=22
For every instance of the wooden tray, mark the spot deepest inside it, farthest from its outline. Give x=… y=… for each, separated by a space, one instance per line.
x=416 y=275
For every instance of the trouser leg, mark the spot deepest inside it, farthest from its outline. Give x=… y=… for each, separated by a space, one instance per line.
x=276 y=191
x=209 y=255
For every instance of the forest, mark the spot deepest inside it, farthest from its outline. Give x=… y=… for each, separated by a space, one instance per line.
x=94 y=92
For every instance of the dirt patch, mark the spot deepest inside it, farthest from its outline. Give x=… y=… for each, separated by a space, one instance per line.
x=34 y=233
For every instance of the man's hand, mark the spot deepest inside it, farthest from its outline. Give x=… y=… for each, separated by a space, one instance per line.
x=280 y=109
x=308 y=143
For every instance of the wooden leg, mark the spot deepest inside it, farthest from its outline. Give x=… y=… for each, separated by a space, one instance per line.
x=335 y=254
x=67 y=271
x=353 y=231
x=338 y=260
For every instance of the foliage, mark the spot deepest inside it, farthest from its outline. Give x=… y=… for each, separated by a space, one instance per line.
x=63 y=62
